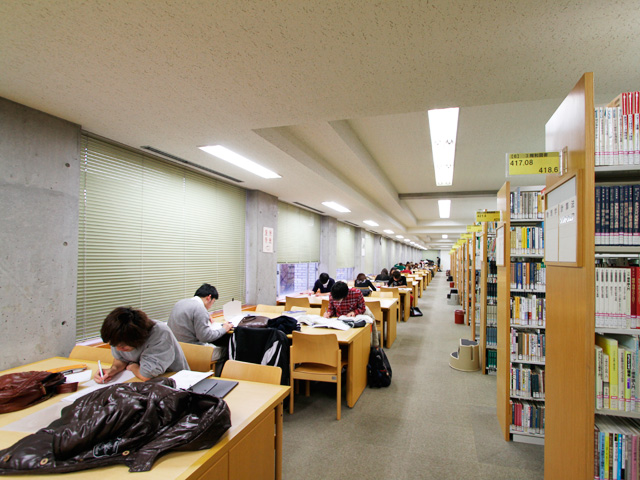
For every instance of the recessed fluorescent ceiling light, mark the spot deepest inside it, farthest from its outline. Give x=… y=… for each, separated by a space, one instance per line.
x=407 y=239
x=390 y=232
x=445 y=236
x=445 y=208
x=399 y=236
x=370 y=223
x=336 y=206
x=443 y=125
x=239 y=161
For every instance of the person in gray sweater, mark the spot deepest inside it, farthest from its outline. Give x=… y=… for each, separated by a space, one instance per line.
x=190 y=321
x=143 y=346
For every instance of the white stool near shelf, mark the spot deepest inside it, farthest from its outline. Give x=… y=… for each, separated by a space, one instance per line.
x=467 y=357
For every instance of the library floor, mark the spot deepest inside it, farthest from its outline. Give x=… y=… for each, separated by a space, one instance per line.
x=432 y=422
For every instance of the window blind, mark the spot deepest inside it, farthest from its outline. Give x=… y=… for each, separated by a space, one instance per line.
x=368 y=259
x=298 y=238
x=345 y=239
x=150 y=233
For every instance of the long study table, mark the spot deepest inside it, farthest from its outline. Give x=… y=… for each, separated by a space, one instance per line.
x=248 y=450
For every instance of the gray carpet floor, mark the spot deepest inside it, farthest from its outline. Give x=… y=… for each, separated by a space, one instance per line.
x=432 y=422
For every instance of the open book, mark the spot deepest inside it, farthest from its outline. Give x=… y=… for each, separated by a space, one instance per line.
x=321 y=322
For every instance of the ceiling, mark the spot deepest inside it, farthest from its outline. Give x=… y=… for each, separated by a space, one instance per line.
x=331 y=95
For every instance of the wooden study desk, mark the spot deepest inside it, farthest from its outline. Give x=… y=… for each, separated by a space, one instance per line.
x=357 y=342
x=246 y=451
x=389 y=308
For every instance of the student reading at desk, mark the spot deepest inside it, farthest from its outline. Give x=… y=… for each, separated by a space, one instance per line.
x=190 y=321
x=143 y=346
x=345 y=301
x=363 y=282
x=324 y=284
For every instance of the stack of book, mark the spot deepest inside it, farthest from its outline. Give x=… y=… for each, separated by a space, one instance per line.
x=529 y=276
x=617 y=385
x=528 y=347
x=616 y=448
x=528 y=310
x=617 y=297
x=526 y=205
x=527 y=240
x=492 y=361
x=527 y=417
x=617 y=214
x=527 y=382
x=492 y=336
x=617 y=131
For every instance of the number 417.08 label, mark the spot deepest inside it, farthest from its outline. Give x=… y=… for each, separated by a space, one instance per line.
x=533 y=163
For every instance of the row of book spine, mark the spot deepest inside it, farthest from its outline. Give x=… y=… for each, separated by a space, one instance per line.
x=617 y=297
x=528 y=310
x=527 y=382
x=528 y=275
x=617 y=385
x=492 y=336
x=616 y=448
x=526 y=205
x=528 y=346
x=527 y=240
x=492 y=361
x=617 y=131
x=617 y=211
x=492 y=314
x=527 y=417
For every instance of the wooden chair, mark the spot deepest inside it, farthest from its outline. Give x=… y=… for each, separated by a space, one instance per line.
x=324 y=306
x=314 y=311
x=83 y=352
x=393 y=290
x=381 y=294
x=253 y=372
x=318 y=358
x=198 y=356
x=376 y=309
x=270 y=308
x=296 y=302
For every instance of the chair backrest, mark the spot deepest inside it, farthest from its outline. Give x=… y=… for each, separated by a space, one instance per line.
x=381 y=294
x=296 y=302
x=198 y=356
x=393 y=290
x=251 y=371
x=314 y=311
x=83 y=352
x=350 y=283
x=269 y=308
x=324 y=306
x=376 y=310
x=311 y=348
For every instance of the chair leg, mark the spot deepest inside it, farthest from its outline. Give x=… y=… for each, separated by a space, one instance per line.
x=339 y=395
x=307 y=391
x=291 y=399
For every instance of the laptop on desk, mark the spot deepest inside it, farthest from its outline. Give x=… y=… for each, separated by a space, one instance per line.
x=214 y=386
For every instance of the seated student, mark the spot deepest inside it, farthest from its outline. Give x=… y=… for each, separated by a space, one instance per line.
x=383 y=276
x=406 y=269
x=363 y=282
x=190 y=321
x=143 y=346
x=324 y=284
x=397 y=280
x=345 y=301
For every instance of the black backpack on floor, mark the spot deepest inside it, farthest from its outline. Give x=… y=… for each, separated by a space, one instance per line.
x=378 y=369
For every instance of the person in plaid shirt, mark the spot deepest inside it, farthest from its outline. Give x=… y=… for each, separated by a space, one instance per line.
x=345 y=301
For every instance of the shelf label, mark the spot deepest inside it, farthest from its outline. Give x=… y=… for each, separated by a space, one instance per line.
x=474 y=228
x=533 y=163
x=487 y=216
x=466 y=236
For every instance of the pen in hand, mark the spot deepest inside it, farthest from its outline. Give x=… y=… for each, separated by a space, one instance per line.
x=100 y=370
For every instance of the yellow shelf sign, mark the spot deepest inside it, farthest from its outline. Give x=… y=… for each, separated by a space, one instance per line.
x=474 y=228
x=466 y=236
x=487 y=216
x=533 y=163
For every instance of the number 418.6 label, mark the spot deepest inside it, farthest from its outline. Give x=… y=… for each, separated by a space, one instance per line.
x=533 y=163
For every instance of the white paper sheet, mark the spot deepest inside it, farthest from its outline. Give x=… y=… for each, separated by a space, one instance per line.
x=92 y=386
x=187 y=378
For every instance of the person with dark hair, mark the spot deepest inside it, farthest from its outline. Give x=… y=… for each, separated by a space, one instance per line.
x=345 y=301
x=143 y=346
x=397 y=280
x=324 y=284
x=190 y=321
x=363 y=282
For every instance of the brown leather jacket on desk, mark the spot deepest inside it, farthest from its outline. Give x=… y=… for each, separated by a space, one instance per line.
x=128 y=423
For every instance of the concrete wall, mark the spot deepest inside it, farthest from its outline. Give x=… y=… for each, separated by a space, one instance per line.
x=39 y=173
x=261 y=268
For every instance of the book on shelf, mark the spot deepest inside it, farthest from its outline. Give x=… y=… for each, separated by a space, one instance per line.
x=527 y=417
x=616 y=448
x=617 y=215
x=610 y=348
x=617 y=296
x=617 y=131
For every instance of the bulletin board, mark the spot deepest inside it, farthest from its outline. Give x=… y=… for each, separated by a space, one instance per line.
x=562 y=227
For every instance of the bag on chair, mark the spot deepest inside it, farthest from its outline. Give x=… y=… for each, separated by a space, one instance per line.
x=378 y=369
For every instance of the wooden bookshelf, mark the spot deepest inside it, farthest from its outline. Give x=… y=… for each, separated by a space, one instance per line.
x=570 y=381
